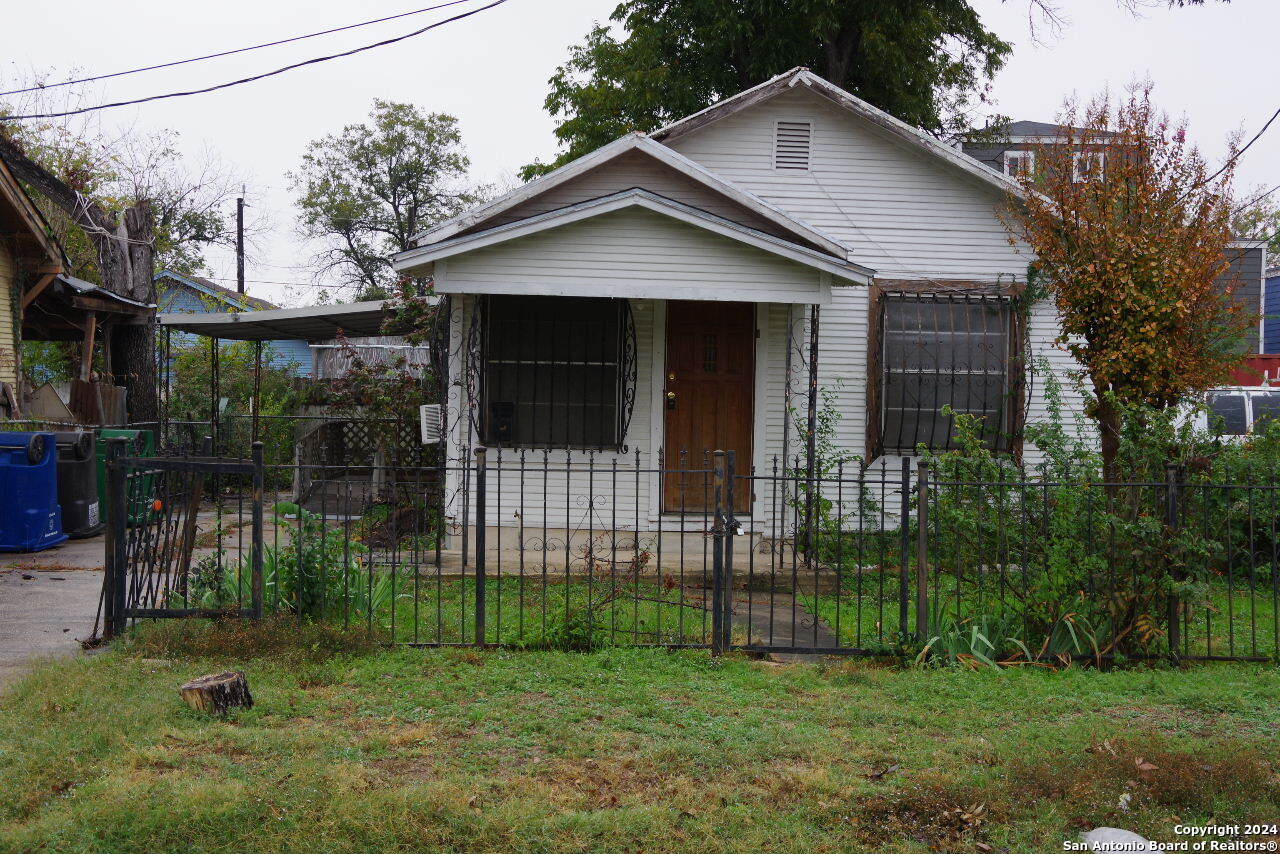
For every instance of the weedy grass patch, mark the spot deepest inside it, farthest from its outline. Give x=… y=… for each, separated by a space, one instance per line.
x=350 y=748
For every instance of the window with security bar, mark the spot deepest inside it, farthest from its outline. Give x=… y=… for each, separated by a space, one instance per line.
x=940 y=350
x=557 y=372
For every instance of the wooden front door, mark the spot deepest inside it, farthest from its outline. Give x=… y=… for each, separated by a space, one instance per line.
x=707 y=398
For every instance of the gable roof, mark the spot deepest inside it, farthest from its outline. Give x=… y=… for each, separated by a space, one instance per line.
x=803 y=77
x=1025 y=130
x=636 y=142
x=633 y=198
x=244 y=302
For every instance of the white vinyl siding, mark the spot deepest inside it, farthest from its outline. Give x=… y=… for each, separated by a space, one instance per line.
x=904 y=213
x=631 y=253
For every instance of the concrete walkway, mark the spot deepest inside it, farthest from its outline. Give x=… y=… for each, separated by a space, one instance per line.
x=780 y=620
x=48 y=601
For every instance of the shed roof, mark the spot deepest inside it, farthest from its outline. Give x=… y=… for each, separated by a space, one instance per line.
x=313 y=323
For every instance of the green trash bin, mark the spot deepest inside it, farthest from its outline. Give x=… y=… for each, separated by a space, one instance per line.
x=142 y=443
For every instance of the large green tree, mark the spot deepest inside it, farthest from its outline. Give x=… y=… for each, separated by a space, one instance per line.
x=364 y=192
x=924 y=61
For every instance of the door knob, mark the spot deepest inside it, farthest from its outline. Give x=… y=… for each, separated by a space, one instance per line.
x=671 y=400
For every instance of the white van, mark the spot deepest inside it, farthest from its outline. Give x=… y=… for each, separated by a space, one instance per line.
x=1237 y=410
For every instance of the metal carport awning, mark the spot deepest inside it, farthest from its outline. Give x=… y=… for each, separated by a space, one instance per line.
x=314 y=323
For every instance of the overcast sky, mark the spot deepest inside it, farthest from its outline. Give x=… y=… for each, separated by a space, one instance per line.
x=491 y=70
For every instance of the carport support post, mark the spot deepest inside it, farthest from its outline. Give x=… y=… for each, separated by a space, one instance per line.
x=117 y=537
x=259 y=480
x=215 y=389
x=257 y=386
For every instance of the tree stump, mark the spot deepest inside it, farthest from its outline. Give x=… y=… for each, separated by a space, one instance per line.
x=218 y=693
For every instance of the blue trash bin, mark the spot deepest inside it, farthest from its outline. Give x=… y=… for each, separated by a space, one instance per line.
x=30 y=517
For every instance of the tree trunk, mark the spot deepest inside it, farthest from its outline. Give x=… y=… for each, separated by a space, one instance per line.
x=218 y=693
x=1108 y=417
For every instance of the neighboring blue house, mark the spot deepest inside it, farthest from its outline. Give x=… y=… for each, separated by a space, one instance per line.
x=194 y=295
x=1271 y=312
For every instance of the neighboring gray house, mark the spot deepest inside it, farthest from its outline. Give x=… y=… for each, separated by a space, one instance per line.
x=653 y=299
x=1012 y=150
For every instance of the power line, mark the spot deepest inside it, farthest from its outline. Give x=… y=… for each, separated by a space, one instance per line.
x=274 y=282
x=43 y=86
x=257 y=77
x=1233 y=158
x=1256 y=199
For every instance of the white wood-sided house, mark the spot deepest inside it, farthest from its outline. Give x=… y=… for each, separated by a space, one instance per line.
x=653 y=301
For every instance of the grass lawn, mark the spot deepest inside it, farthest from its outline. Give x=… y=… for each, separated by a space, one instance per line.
x=616 y=750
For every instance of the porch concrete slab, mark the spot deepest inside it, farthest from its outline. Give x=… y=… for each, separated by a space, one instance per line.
x=44 y=613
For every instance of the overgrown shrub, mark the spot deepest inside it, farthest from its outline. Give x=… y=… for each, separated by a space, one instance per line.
x=1054 y=561
x=321 y=572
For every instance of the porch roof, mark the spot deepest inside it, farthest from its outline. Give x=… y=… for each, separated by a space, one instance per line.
x=635 y=142
x=428 y=260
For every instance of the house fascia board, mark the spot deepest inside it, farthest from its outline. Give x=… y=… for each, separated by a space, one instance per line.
x=895 y=127
x=819 y=295
x=414 y=259
x=635 y=142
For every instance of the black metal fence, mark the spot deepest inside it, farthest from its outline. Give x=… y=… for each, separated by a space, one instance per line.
x=583 y=549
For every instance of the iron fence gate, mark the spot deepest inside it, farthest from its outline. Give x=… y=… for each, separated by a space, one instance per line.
x=161 y=562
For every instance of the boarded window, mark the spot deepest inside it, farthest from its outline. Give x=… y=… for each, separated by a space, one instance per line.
x=940 y=350
x=792 y=145
x=557 y=372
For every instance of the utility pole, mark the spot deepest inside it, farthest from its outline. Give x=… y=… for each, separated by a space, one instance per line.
x=240 y=242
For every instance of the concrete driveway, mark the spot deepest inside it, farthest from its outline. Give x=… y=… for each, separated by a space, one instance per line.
x=48 y=601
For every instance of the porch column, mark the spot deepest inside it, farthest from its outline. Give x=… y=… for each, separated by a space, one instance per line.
x=811 y=438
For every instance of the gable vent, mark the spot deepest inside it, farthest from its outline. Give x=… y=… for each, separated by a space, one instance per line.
x=791 y=145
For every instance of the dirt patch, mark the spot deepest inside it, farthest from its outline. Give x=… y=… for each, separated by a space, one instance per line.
x=417 y=768
x=937 y=815
x=596 y=784
x=1147 y=772
x=50 y=567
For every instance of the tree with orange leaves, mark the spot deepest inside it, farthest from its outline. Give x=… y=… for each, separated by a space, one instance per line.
x=1130 y=230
